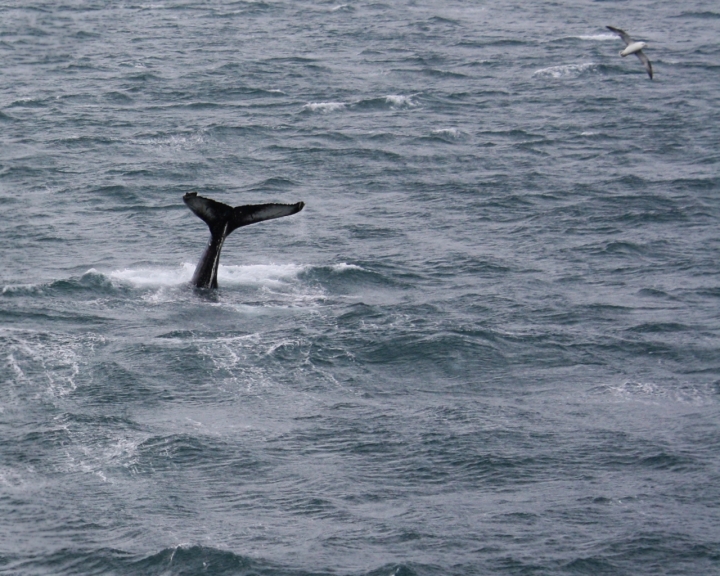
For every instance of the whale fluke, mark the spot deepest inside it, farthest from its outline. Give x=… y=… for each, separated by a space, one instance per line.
x=222 y=220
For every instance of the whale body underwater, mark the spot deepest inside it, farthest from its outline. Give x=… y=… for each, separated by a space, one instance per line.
x=222 y=220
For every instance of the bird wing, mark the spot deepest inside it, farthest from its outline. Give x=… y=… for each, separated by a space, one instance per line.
x=624 y=35
x=645 y=61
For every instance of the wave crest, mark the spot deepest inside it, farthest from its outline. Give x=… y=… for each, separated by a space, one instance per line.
x=324 y=107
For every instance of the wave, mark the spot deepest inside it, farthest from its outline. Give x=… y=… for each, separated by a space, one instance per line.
x=347 y=278
x=706 y=15
x=342 y=8
x=390 y=101
x=91 y=281
x=181 y=560
x=448 y=134
x=117 y=282
x=399 y=100
x=324 y=106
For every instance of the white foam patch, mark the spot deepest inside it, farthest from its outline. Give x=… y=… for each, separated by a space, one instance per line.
x=453 y=133
x=100 y=456
x=179 y=141
x=681 y=393
x=324 y=106
x=343 y=266
x=253 y=275
x=399 y=100
x=44 y=365
x=565 y=71
x=598 y=37
x=259 y=274
x=155 y=277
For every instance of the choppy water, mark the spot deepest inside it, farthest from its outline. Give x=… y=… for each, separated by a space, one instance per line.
x=490 y=344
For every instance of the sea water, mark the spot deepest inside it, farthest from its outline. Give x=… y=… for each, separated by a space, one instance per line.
x=489 y=344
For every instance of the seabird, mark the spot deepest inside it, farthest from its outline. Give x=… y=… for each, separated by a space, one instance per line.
x=632 y=47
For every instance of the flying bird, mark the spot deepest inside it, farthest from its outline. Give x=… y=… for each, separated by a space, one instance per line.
x=632 y=47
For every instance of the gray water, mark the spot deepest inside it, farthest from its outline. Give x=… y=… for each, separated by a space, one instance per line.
x=489 y=344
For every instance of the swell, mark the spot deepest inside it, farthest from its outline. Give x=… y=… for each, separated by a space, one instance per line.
x=182 y=561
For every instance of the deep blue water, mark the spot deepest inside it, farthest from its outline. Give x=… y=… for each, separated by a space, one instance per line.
x=490 y=343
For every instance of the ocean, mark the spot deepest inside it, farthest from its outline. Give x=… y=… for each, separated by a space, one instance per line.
x=489 y=344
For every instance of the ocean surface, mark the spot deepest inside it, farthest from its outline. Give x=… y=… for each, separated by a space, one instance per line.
x=489 y=344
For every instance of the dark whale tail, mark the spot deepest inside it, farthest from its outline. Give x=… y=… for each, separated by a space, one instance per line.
x=222 y=220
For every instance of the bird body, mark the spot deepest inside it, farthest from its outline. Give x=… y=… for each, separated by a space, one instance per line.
x=633 y=48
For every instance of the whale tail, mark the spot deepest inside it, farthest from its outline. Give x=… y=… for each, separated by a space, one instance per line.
x=222 y=220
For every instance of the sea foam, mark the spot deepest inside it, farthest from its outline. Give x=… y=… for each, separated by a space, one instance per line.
x=598 y=37
x=324 y=106
x=254 y=274
x=565 y=70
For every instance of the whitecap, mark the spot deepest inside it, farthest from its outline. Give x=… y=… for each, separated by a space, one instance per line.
x=324 y=106
x=452 y=133
x=13 y=288
x=341 y=267
x=399 y=100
